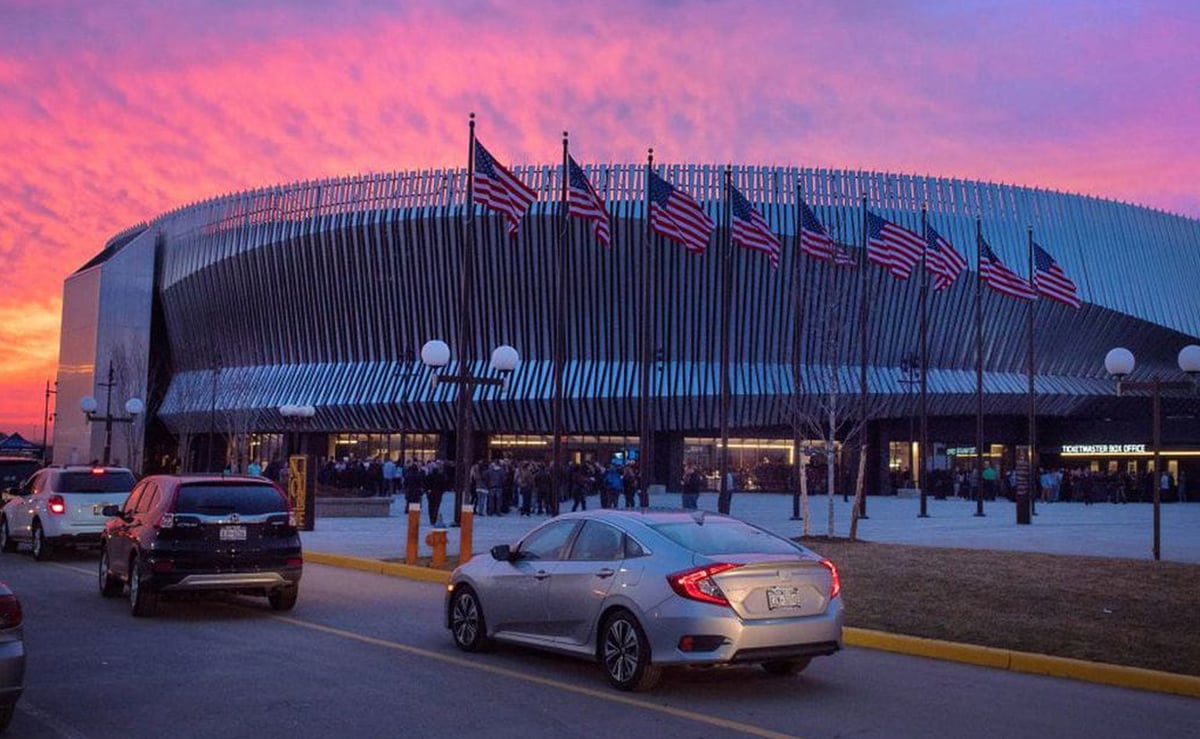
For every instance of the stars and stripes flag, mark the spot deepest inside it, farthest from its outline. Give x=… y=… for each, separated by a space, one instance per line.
x=942 y=260
x=1051 y=281
x=1000 y=278
x=498 y=189
x=893 y=246
x=586 y=203
x=815 y=242
x=677 y=216
x=750 y=229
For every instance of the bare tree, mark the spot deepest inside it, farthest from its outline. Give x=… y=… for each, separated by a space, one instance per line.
x=130 y=363
x=239 y=416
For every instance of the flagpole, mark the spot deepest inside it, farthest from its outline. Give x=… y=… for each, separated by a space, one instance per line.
x=924 y=433
x=560 y=302
x=978 y=366
x=466 y=389
x=864 y=286
x=797 y=343
x=647 y=264
x=1033 y=455
x=723 y=499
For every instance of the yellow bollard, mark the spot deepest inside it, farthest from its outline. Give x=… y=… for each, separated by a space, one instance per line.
x=436 y=539
x=465 y=531
x=414 y=529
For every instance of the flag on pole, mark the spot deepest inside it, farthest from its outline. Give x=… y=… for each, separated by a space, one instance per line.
x=1000 y=278
x=587 y=204
x=817 y=243
x=498 y=189
x=1051 y=281
x=942 y=260
x=676 y=215
x=750 y=229
x=893 y=246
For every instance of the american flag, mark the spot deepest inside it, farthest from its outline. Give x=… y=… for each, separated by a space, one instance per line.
x=941 y=260
x=893 y=246
x=587 y=204
x=1051 y=281
x=1000 y=278
x=498 y=189
x=674 y=214
x=818 y=244
x=750 y=229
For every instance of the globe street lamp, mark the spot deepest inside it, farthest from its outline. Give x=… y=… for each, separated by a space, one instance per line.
x=299 y=477
x=435 y=354
x=134 y=407
x=1119 y=363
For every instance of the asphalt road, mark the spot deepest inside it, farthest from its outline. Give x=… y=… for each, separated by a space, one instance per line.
x=366 y=656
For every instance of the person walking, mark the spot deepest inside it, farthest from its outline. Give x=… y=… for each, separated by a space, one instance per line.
x=524 y=482
x=629 y=484
x=691 y=484
x=435 y=488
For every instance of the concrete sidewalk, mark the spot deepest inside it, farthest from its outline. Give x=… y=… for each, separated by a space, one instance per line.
x=1102 y=529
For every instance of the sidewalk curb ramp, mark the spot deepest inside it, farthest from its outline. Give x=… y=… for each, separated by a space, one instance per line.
x=1002 y=659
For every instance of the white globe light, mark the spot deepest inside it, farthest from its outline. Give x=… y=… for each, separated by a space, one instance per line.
x=1189 y=359
x=306 y=411
x=505 y=358
x=135 y=406
x=435 y=353
x=1119 y=362
x=88 y=404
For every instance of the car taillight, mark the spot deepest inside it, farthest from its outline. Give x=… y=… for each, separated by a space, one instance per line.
x=57 y=505
x=295 y=562
x=837 y=579
x=697 y=583
x=10 y=611
x=97 y=470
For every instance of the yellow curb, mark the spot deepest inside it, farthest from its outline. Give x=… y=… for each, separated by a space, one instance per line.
x=1002 y=659
x=1026 y=662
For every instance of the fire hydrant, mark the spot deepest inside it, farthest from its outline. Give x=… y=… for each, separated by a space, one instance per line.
x=436 y=539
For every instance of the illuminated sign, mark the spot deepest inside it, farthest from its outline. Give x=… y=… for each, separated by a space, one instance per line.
x=1104 y=449
x=960 y=451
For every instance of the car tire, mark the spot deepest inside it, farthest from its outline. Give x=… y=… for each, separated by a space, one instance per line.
x=467 y=623
x=785 y=667
x=625 y=654
x=7 y=543
x=284 y=599
x=110 y=587
x=6 y=714
x=143 y=602
x=40 y=547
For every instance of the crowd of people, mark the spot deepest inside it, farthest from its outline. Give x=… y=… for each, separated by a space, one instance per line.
x=1053 y=485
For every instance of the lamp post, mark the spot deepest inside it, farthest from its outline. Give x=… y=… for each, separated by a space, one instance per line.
x=299 y=477
x=89 y=406
x=46 y=415
x=911 y=375
x=1119 y=363
x=435 y=354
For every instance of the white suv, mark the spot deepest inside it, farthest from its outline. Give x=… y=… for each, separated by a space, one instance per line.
x=62 y=506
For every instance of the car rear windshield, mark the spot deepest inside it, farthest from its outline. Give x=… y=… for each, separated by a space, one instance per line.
x=96 y=482
x=247 y=500
x=715 y=537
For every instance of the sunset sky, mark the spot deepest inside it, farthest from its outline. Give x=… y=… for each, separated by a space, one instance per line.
x=114 y=112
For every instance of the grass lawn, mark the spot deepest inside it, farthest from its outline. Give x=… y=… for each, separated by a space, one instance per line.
x=1122 y=611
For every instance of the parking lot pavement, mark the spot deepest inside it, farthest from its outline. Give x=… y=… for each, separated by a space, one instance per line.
x=1103 y=529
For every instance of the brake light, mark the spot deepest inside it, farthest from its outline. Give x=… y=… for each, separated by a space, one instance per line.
x=295 y=562
x=57 y=505
x=697 y=583
x=97 y=470
x=837 y=579
x=10 y=611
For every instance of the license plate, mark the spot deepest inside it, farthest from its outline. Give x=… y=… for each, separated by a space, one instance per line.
x=782 y=597
x=233 y=533
x=98 y=509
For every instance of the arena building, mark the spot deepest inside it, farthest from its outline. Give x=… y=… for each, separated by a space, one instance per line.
x=323 y=293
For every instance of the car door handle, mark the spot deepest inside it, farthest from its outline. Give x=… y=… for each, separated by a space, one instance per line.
x=541 y=575
x=606 y=573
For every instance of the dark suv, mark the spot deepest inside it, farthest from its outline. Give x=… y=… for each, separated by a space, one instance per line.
x=201 y=533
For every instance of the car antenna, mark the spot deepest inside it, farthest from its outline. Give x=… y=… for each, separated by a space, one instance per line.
x=698 y=517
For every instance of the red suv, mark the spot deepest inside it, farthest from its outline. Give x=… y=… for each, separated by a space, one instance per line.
x=201 y=533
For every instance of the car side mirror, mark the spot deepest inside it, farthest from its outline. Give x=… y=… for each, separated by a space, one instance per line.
x=111 y=511
x=502 y=553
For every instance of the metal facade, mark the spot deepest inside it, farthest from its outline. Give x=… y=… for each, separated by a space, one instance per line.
x=324 y=292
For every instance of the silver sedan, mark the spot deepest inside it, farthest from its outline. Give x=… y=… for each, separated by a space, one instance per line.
x=638 y=591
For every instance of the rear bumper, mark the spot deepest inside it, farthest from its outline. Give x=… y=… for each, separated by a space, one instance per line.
x=248 y=577
x=12 y=670
x=232 y=581
x=89 y=537
x=737 y=640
